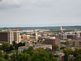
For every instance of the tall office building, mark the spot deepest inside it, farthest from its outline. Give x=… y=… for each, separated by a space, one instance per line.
x=16 y=36
x=9 y=36
x=4 y=36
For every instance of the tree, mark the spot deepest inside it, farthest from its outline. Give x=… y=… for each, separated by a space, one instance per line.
x=2 y=59
x=6 y=47
x=68 y=51
x=78 y=57
x=24 y=57
x=29 y=51
x=15 y=45
x=41 y=54
x=30 y=54
x=54 y=48
x=21 y=57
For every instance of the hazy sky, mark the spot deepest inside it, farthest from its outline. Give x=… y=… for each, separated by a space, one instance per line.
x=40 y=12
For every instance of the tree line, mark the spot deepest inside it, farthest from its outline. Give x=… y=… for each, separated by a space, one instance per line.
x=10 y=53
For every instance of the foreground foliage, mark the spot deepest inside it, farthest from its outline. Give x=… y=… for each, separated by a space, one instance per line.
x=29 y=54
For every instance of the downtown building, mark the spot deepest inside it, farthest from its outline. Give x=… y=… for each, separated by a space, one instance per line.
x=10 y=36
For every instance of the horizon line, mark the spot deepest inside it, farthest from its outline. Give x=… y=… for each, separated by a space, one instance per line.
x=38 y=26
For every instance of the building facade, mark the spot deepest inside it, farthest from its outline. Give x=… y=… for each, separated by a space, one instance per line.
x=10 y=36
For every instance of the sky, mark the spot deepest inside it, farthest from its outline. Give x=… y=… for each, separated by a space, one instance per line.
x=40 y=13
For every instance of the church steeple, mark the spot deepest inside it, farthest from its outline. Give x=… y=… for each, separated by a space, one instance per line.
x=61 y=29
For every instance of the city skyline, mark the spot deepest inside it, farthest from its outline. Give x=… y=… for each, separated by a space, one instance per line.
x=40 y=13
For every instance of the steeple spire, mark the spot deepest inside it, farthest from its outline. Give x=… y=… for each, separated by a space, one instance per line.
x=61 y=28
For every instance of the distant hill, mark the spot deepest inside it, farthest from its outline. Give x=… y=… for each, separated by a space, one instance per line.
x=48 y=27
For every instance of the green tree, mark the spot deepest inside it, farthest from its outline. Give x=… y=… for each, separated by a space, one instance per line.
x=78 y=57
x=29 y=51
x=21 y=57
x=41 y=54
x=6 y=47
x=15 y=45
x=31 y=54
x=2 y=59
x=24 y=57
x=55 y=47
x=68 y=51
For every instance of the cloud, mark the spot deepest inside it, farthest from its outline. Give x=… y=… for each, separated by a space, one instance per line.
x=24 y=3
x=36 y=3
x=9 y=4
x=40 y=12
